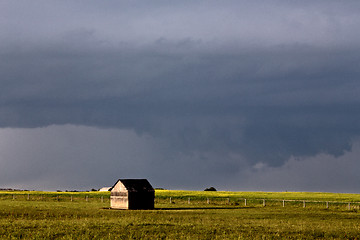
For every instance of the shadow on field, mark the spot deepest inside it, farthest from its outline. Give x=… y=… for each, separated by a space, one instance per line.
x=200 y=208
x=180 y=208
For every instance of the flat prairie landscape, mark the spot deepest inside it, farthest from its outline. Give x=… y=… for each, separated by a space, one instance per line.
x=181 y=215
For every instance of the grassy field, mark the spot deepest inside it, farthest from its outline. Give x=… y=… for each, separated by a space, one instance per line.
x=39 y=215
x=315 y=196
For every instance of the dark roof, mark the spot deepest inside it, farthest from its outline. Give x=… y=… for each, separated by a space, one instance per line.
x=135 y=185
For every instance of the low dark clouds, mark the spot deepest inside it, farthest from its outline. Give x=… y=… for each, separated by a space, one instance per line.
x=263 y=82
x=267 y=104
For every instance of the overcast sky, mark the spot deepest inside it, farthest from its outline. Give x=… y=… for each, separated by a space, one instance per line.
x=239 y=95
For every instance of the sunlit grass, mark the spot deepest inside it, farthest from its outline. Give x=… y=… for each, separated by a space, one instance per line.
x=184 y=194
x=50 y=218
x=315 y=196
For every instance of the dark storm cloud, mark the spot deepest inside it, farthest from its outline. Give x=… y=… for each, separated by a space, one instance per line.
x=265 y=104
x=320 y=174
x=265 y=81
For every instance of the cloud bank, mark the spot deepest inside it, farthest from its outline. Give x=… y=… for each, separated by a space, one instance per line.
x=232 y=84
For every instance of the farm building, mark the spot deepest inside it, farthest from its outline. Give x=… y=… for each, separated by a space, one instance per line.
x=132 y=194
x=104 y=189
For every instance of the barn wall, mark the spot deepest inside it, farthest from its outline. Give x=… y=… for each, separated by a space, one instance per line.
x=119 y=187
x=119 y=197
x=141 y=200
x=119 y=200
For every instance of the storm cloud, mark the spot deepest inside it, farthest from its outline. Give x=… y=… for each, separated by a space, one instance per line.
x=222 y=87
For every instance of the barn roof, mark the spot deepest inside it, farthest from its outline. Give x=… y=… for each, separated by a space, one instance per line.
x=135 y=185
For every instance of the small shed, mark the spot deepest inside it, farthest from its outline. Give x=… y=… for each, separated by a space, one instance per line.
x=132 y=194
x=104 y=189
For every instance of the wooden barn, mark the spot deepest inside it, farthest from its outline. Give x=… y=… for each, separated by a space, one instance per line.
x=132 y=194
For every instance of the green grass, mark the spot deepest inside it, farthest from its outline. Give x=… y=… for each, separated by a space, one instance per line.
x=312 y=196
x=50 y=218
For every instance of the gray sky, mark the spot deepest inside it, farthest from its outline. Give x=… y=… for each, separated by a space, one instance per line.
x=239 y=95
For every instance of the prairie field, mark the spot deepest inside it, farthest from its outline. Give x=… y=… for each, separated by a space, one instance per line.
x=180 y=215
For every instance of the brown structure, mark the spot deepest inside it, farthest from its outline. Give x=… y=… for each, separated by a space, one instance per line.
x=132 y=194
